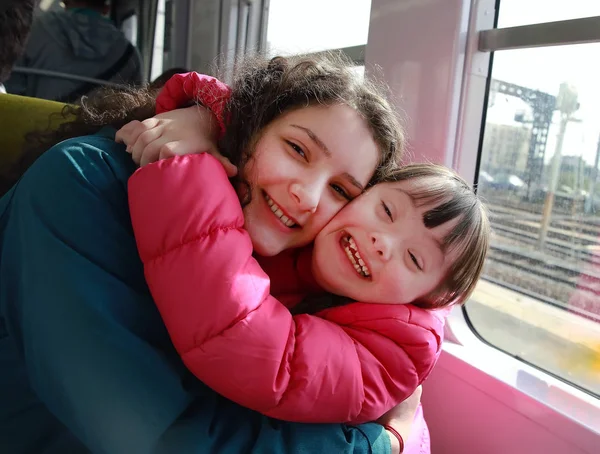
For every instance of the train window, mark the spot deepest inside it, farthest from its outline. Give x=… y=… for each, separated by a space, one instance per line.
x=129 y=27
x=539 y=298
x=514 y=13
x=158 y=49
x=315 y=25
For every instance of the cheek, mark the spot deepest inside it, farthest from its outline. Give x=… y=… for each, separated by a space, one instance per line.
x=324 y=219
x=354 y=215
x=396 y=285
x=416 y=287
x=268 y=164
x=397 y=289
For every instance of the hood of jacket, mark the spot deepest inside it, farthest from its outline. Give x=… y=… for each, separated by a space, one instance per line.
x=88 y=34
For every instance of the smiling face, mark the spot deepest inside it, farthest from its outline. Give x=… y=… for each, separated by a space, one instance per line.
x=306 y=166
x=380 y=248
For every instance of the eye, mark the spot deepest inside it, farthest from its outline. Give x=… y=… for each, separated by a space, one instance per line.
x=341 y=191
x=415 y=261
x=297 y=149
x=387 y=211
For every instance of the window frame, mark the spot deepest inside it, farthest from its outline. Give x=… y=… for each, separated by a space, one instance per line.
x=470 y=345
x=474 y=38
x=567 y=32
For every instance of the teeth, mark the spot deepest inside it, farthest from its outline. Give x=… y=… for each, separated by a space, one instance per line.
x=359 y=266
x=277 y=212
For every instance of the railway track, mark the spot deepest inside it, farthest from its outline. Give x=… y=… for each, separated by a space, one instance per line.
x=569 y=262
x=558 y=273
x=576 y=242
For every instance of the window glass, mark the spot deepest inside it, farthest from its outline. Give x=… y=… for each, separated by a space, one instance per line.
x=518 y=12
x=129 y=27
x=540 y=297
x=159 y=41
x=314 y=25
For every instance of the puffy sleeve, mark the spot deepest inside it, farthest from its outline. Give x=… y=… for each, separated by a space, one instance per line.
x=349 y=365
x=182 y=89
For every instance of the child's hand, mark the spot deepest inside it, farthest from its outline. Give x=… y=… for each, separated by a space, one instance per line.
x=401 y=418
x=175 y=133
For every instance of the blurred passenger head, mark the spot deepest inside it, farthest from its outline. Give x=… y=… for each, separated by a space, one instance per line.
x=15 y=23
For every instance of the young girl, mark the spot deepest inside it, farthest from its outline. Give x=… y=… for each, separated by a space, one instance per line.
x=419 y=237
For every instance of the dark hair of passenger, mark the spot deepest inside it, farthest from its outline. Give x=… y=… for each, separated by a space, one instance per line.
x=16 y=17
x=262 y=90
x=94 y=4
x=161 y=80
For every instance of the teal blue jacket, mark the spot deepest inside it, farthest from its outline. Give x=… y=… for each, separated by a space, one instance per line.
x=86 y=363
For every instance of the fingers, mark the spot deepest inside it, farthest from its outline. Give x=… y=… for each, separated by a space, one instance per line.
x=170 y=149
x=230 y=169
x=123 y=135
x=144 y=140
x=153 y=151
x=129 y=133
x=159 y=138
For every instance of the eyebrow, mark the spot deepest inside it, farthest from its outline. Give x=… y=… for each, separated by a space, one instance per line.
x=318 y=142
x=354 y=181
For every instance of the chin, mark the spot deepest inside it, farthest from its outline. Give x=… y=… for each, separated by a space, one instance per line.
x=326 y=280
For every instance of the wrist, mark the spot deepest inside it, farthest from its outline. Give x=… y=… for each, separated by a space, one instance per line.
x=396 y=440
x=394 y=444
x=208 y=121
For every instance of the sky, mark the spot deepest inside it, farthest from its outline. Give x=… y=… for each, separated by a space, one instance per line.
x=295 y=28
x=545 y=68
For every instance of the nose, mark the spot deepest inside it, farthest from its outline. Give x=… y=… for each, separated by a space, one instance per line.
x=307 y=195
x=382 y=245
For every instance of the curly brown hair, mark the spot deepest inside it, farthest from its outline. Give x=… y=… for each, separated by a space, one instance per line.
x=262 y=90
x=16 y=17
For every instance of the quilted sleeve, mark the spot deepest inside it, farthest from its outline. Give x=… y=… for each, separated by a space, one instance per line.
x=346 y=366
x=182 y=89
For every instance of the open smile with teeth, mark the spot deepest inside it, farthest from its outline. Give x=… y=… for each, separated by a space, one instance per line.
x=279 y=212
x=354 y=256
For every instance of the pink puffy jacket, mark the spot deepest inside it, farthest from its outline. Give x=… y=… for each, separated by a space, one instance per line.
x=345 y=364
